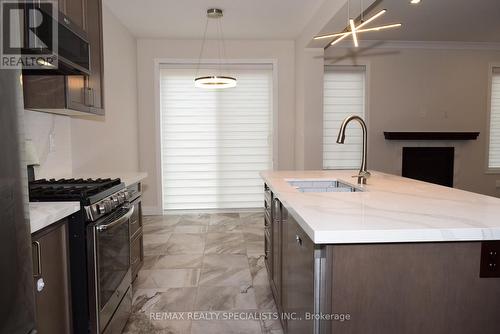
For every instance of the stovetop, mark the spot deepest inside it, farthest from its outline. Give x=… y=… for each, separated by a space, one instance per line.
x=86 y=191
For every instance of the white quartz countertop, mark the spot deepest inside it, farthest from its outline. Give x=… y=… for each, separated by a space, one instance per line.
x=390 y=209
x=43 y=214
x=128 y=178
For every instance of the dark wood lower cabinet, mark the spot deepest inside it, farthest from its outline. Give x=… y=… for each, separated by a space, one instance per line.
x=51 y=278
x=135 y=230
x=413 y=288
x=298 y=279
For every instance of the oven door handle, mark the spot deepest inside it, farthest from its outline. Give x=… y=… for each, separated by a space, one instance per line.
x=118 y=221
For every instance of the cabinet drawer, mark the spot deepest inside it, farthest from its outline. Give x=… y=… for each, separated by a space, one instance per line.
x=136 y=218
x=136 y=254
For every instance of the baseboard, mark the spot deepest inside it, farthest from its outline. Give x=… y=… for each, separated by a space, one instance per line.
x=151 y=211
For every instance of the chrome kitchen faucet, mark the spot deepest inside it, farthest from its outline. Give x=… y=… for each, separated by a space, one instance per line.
x=363 y=172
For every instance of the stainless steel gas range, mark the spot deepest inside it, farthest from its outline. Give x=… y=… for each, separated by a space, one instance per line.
x=99 y=250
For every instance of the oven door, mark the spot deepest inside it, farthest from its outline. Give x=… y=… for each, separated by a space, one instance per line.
x=109 y=265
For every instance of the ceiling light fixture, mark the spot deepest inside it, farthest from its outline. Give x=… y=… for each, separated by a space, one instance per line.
x=415 y=2
x=356 y=30
x=214 y=81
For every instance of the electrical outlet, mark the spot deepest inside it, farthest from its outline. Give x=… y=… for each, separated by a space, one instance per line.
x=490 y=259
x=52 y=142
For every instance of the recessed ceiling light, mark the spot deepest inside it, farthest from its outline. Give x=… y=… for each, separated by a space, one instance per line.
x=415 y=2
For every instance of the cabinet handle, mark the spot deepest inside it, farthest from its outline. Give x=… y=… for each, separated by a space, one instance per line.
x=38 y=259
x=298 y=240
x=266 y=253
x=89 y=96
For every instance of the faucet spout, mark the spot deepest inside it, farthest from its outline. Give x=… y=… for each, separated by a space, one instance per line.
x=363 y=172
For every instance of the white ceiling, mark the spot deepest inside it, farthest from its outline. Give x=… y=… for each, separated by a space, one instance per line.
x=431 y=20
x=243 y=19
x=442 y=20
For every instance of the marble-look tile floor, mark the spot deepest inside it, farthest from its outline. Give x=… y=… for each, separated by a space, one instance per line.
x=202 y=263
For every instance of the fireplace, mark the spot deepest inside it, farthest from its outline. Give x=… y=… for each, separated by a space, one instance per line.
x=430 y=164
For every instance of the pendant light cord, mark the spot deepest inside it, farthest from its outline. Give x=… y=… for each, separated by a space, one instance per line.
x=219 y=45
x=202 y=47
x=223 y=59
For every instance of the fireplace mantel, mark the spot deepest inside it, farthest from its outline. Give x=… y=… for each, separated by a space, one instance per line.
x=430 y=135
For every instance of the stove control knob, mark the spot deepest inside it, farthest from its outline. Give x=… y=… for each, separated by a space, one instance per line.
x=102 y=207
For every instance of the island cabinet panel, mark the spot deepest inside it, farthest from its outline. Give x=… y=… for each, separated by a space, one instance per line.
x=410 y=288
x=298 y=278
x=277 y=251
x=268 y=230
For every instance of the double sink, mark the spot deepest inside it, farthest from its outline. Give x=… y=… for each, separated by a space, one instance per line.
x=322 y=186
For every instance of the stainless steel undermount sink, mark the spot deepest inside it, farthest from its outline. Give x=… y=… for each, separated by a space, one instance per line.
x=322 y=186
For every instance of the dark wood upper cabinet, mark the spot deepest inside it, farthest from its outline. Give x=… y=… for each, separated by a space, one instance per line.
x=95 y=81
x=72 y=94
x=75 y=11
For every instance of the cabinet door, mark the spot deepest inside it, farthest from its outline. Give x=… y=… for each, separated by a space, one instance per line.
x=76 y=93
x=75 y=11
x=136 y=218
x=298 y=278
x=52 y=293
x=95 y=82
x=136 y=254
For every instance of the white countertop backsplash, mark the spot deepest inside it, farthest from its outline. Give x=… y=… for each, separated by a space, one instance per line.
x=391 y=209
x=43 y=214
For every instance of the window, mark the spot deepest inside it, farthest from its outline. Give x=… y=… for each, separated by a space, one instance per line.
x=215 y=142
x=343 y=95
x=494 y=145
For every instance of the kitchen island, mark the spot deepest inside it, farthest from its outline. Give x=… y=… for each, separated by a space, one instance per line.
x=393 y=256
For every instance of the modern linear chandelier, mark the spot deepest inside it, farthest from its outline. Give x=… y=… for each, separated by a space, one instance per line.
x=216 y=80
x=355 y=30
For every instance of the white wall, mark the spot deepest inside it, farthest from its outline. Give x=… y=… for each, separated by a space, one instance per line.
x=95 y=144
x=415 y=89
x=110 y=144
x=309 y=65
x=56 y=157
x=150 y=49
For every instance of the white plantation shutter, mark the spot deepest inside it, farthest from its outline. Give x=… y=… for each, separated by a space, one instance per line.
x=494 y=147
x=215 y=142
x=343 y=95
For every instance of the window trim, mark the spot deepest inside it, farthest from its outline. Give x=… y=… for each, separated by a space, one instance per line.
x=346 y=64
x=159 y=62
x=487 y=169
